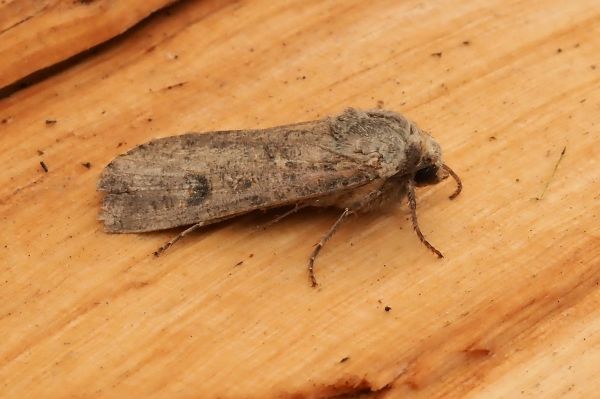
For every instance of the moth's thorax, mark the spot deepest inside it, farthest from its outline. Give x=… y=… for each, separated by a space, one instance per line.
x=399 y=144
x=423 y=155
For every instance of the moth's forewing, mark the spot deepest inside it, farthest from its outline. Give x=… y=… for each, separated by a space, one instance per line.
x=182 y=180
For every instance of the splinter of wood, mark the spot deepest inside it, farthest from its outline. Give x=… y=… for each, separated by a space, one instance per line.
x=326 y=237
x=456 y=178
x=562 y=154
x=185 y=232
x=412 y=202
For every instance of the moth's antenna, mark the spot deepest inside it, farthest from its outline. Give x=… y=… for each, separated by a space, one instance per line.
x=458 y=182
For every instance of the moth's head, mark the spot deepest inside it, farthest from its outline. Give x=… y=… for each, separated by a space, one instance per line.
x=430 y=168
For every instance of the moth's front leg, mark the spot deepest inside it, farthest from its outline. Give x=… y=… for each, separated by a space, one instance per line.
x=412 y=202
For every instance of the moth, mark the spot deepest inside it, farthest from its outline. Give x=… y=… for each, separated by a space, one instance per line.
x=357 y=161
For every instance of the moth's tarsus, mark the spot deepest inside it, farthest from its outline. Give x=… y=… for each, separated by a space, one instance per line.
x=456 y=178
x=412 y=202
x=326 y=237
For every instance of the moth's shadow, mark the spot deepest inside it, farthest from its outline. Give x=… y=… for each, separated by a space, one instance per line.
x=263 y=220
x=256 y=222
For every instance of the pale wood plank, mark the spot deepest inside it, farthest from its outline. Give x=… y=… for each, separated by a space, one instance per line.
x=38 y=34
x=512 y=309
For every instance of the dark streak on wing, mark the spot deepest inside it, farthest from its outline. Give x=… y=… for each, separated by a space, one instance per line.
x=199 y=189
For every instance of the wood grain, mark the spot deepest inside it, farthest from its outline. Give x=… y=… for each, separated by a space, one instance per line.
x=512 y=310
x=38 y=34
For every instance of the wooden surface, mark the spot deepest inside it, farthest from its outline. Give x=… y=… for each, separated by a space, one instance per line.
x=511 y=311
x=38 y=34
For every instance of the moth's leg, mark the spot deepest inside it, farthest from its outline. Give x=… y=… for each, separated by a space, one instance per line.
x=365 y=203
x=185 y=232
x=326 y=237
x=412 y=202
x=295 y=209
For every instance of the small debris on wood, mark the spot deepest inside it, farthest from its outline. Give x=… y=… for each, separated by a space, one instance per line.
x=438 y=54
x=239 y=263
x=466 y=43
x=175 y=85
x=562 y=154
x=345 y=359
x=387 y=308
x=477 y=352
x=86 y=165
x=50 y=122
x=40 y=152
x=44 y=166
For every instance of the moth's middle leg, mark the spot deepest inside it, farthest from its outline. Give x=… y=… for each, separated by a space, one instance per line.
x=311 y=261
x=412 y=202
x=364 y=203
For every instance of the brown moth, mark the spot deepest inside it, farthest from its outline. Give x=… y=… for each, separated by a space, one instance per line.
x=356 y=161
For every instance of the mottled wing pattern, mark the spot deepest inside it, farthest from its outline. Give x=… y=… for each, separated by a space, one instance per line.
x=194 y=177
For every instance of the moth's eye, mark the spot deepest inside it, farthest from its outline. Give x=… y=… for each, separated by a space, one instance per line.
x=427 y=175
